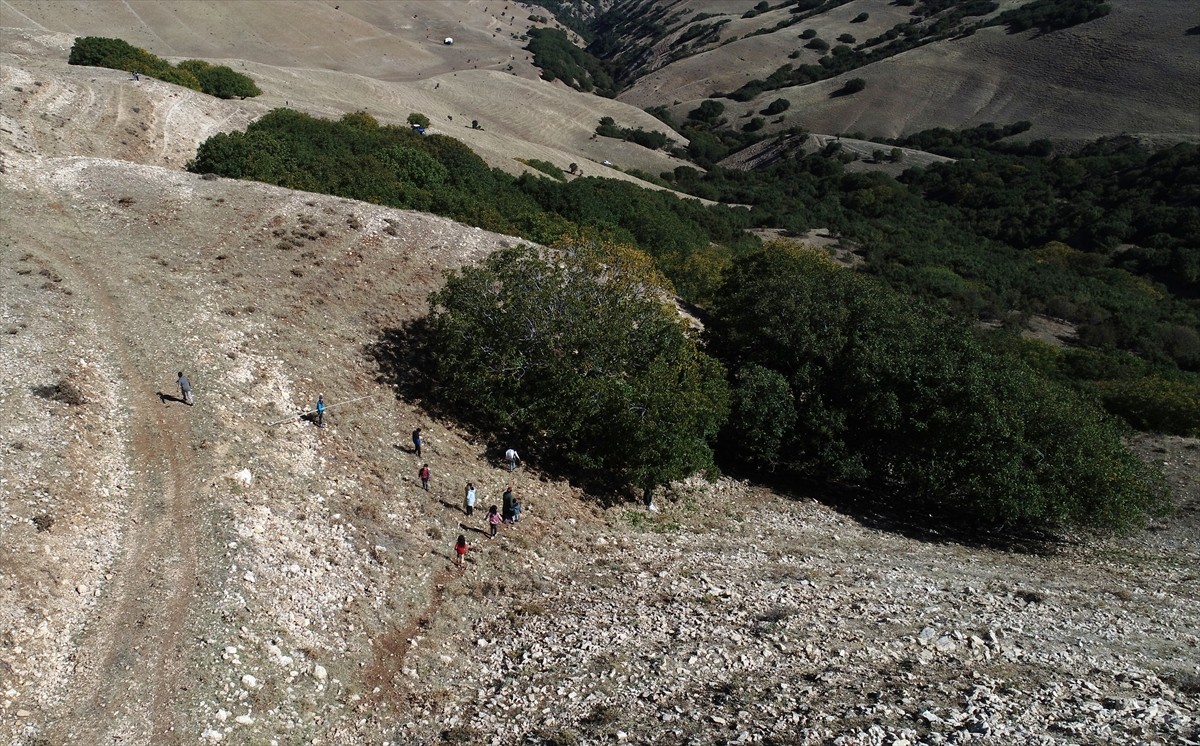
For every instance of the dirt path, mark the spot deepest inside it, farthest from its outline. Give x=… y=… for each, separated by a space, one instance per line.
x=130 y=661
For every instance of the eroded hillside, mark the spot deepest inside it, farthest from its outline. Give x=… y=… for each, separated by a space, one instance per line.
x=229 y=572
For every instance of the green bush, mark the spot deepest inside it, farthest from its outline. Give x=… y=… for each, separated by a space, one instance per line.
x=546 y=167
x=582 y=351
x=891 y=393
x=1155 y=403
x=416 y=119
x=219 y=80
x=778 y=106
x=215 y=80
x=852 y=86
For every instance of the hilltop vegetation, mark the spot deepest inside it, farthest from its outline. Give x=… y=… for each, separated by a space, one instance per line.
x=215 y=80
x=358 y=158
x=882 y=377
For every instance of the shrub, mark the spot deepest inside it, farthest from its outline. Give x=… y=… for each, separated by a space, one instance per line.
x=818 y=44
x=708 y=111
x=808 y=33
x=778 y=106
x=546 y=167
x=416 y=119
x=1155 y=403
x=846 y=39
x=852 y=86
x=219 y=80
x=860 y=18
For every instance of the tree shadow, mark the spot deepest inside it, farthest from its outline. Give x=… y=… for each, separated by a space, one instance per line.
x=894 y=510
x=404 y=361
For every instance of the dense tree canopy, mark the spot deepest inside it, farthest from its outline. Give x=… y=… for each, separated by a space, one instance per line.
x=886 y=391
x=581 y=351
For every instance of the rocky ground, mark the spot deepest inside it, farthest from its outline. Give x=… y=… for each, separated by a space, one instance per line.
x=230 y=573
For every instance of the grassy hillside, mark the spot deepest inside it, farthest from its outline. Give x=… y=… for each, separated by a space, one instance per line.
x=1132 y=70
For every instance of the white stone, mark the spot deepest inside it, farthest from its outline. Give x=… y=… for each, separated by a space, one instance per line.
x=244 y=720
x=319 y=672
x=249 y=681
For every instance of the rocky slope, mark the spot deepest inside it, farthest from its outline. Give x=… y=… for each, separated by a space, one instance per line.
x=230 y=573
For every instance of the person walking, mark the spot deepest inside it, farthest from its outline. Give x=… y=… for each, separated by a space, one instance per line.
x=423 y=473
x=320 y=410
x=493 y=519
x=507 y=502
x=417 y=441
x=513 y=458
x=461 y=547
x=185 y=389
x=469 y=499
x=516 y=510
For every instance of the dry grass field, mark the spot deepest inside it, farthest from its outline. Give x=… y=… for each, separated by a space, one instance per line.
x=231 y=573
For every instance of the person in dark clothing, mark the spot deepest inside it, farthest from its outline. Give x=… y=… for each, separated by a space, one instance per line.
x=507 y=502
x=424 y=475
x=185 y=389
x=417 y=440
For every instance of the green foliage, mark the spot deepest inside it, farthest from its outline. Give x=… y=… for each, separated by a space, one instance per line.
x=215 y=80
x=581 y=350
x=358 y=159
x=762 y=417
x=852 y=86
x=709 y=111
x=1155 y=403
x=547 y=167
x=1049 y=15
x=818 y=44
x=754 y=125
x=416 y=119
x=808 y=33
x=860 y=18
x=889 y=392
x=778 y=106
x=219 y=80
x=559 y=59
x=652 y=139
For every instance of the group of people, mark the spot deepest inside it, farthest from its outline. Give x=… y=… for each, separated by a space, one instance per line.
x=508 y=512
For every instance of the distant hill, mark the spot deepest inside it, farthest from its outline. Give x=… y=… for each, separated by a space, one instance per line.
x=1134 y=70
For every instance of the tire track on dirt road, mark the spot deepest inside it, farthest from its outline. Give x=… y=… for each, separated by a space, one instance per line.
x=130 y=662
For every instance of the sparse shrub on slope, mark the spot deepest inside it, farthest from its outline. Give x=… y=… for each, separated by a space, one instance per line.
x=580 y=352
x=885 y=391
